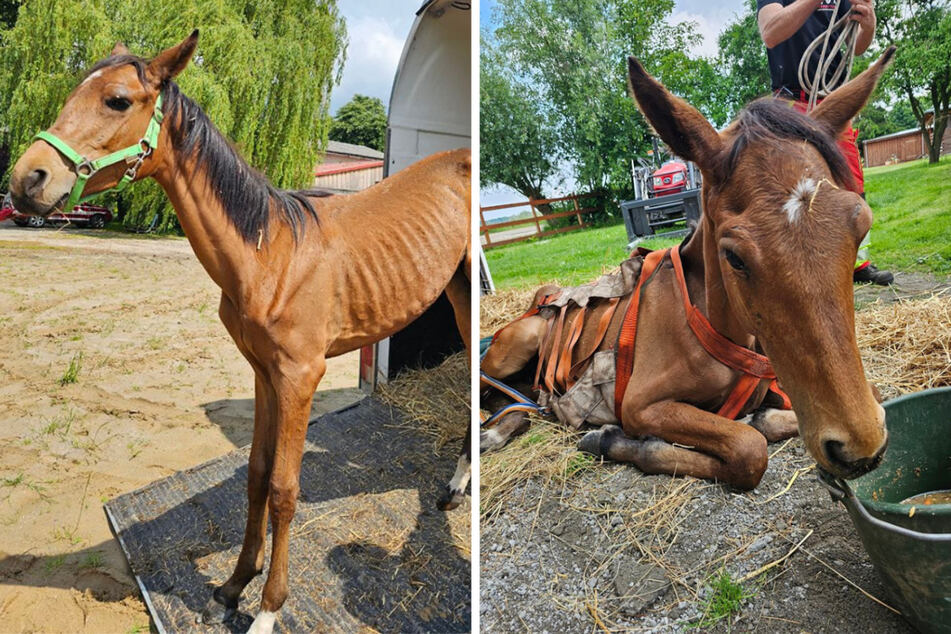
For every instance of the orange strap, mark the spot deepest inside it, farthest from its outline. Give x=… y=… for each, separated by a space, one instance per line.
x=553 y=353
x=563 y=372
x=625 y=342
x=753 y=366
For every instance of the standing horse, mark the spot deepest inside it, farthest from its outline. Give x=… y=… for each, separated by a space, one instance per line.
x=303 y=277
x=768 y=268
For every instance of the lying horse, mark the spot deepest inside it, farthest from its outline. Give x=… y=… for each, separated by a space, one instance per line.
x=673 y=353
x=303 y=277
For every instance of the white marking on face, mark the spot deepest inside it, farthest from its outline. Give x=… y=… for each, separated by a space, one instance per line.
x=93 y=76
x=263 y=623
x=799 y=198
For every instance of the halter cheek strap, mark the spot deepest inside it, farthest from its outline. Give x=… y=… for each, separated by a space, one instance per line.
x=86 y=169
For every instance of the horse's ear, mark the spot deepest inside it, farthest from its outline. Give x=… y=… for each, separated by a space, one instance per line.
x=844 y=102
x=678 y=123
x=170 y=62
x=119 y=49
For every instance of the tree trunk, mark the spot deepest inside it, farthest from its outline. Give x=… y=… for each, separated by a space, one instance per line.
x=937 y=134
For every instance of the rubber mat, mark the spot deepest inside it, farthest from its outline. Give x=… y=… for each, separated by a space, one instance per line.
x=368 y=549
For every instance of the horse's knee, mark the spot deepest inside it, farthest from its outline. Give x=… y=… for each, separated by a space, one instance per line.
x=282 y=499
x=747 y=460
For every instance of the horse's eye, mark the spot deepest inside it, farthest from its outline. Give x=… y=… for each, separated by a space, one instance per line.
x=118 y=103
x=735 y=261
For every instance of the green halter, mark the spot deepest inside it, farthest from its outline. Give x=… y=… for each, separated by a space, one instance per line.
x=86 y=169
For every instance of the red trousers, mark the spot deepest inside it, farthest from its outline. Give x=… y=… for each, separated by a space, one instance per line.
x=846 y=145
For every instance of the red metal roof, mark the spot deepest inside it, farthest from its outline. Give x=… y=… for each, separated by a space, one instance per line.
x=342 y=168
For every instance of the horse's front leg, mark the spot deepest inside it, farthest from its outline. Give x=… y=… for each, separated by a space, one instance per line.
x=225 y=599
x=294 y=385
x=679 y=439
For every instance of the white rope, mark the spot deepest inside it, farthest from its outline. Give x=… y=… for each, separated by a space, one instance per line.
x=823 y=83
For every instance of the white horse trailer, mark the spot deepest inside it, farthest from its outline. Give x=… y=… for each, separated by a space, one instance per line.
x=429 y=112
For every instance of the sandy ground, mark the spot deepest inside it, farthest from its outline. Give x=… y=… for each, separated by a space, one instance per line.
x=160 y=387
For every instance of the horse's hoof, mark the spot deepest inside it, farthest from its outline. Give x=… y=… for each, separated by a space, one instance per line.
x=598 y=442
x=217 y=610
x=591 y=442
x=450 y=500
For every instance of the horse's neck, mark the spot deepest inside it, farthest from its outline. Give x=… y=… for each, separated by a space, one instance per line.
x=702 y=263
x=217 y=244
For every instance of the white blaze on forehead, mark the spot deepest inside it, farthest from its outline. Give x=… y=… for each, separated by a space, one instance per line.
x=799 y=198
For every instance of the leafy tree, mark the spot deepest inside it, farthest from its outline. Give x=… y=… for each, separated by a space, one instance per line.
x=742 y=60
x=263 y=72
x=517 y=145
x=921 y=72
x=573 y=63
x=362 y=121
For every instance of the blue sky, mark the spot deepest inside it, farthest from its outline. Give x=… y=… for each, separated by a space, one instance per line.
x=377 y=30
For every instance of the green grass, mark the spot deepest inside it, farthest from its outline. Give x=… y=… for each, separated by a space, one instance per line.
x=912 y=206
x=912 y=232
x=726 y=598
x=571 y=258
x=72 y=372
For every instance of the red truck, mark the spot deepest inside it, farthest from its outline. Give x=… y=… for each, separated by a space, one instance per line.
x=671 y=178
x=83 y=214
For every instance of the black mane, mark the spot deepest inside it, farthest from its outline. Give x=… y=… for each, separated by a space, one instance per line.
x=247 y=196
x=770 y=119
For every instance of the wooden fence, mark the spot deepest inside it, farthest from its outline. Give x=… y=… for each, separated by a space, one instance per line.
x=537 y=218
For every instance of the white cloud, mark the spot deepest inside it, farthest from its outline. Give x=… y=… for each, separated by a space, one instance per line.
x=372 y=57
x=710 y=17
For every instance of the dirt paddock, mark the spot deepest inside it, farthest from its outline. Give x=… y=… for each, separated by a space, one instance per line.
x=569 y=544
x=114 y=372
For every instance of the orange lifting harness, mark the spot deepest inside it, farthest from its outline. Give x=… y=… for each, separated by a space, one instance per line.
x=753 y=366
x=560 y=374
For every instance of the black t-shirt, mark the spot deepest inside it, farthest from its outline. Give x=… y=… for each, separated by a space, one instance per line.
x=784 y=57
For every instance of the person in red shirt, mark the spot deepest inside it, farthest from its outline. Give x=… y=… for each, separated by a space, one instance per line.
x=788 y=27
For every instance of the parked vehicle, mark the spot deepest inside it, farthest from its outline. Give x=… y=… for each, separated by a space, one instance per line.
x=671 y=178
x=83 y=214
x=6 y=208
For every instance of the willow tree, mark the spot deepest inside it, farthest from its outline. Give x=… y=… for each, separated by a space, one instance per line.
x=263 y=73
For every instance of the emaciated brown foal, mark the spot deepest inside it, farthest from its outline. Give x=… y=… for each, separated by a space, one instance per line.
x=303 y=278
x=770 y=268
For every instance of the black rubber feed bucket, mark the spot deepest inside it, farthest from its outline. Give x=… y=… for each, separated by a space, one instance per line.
x=909 y=545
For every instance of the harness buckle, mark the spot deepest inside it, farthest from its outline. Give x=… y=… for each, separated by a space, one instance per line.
x=85 y=168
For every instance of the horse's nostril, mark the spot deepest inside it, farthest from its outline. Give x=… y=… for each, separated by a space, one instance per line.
x=35 y=181
x=850 y=468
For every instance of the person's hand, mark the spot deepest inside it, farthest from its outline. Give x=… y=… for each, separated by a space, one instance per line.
x=863 y=12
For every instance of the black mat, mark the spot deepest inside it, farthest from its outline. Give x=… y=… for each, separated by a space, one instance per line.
x=368 y=548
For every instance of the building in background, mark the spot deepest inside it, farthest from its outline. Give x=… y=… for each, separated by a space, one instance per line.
x=348 y=168
x=906 y=145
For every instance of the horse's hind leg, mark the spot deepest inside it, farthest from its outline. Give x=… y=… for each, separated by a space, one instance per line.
x=456 y=489
x=459 y=295
x=225 y=599
x=513 y=349
x=511 y=425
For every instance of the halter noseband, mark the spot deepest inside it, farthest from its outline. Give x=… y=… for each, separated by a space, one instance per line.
x=86 y=169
